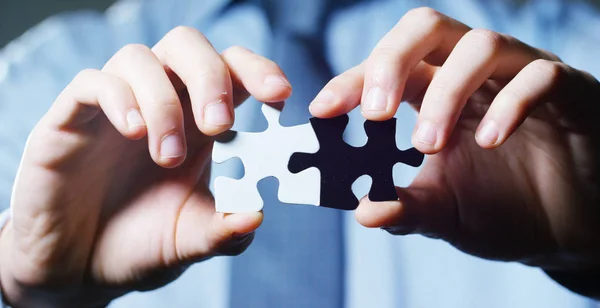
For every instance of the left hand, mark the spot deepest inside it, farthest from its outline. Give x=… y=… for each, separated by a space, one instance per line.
x=112 y=193
x=533 y=197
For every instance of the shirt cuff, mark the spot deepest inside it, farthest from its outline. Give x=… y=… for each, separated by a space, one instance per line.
x=4 y=217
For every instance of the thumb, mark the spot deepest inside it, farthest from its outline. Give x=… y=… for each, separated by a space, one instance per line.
x=423 y=208
x=201 y=235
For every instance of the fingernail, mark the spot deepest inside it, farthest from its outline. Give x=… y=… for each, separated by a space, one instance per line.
x=134 y=118
x=426 y=133
x=324 y=98
x=171 y=147
x=376 y=100
x=488 y=133
x=217 y=114
x=276 y=80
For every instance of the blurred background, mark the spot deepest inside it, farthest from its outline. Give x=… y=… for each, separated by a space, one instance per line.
x=16 y=16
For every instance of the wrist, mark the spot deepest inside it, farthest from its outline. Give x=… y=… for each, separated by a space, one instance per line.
x=4 y=217
x=10 y=294
x=16 y=295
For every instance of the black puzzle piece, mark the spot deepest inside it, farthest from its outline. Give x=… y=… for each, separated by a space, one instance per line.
x=341 y=164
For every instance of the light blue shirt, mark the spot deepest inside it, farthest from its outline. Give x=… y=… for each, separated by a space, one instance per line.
x=381 y=270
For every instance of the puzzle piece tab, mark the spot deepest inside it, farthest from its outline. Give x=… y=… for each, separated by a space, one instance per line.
x=341 y=164
x=267 y=154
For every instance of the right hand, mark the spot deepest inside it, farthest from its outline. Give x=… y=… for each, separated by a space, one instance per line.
x=95 y=216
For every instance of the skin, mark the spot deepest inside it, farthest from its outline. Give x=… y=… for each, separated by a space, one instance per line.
x=511 y=133
x=117 y=208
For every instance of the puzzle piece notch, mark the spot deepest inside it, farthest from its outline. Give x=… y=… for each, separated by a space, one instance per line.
x=266 y=154
x=341 y=164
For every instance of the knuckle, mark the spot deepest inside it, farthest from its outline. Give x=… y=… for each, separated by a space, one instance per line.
x=109 y=86
x=421 y=14
x=588 y=77
x=425 y=17
x=236 y=50
x=549 y=55
x=132 y=50
x=385 y=59
x=86 y=74
x=116 y=89
x=214 y=70
x=514 y=97
x=385 y=51
x=164 y=103
x=439 y=91
x=160 y=106
x=83 y=77
x=552 y=70
x=182 y=32
x=116 y=85
x=486 y=40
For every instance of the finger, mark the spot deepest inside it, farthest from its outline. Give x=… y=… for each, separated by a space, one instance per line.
x=255 y=75
x=188 y=54
x=92 y=91
x=422 y=34
x=343 y=93
x=480 y=55
x=161 y=235
x=200 y=232
x=539 y=82
x=340 y=95
x=223 y=234
x=53 y=153
x=159 y=104
x=421 y=209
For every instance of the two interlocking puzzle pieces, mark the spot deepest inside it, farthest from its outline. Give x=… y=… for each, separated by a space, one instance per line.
x=312 y=162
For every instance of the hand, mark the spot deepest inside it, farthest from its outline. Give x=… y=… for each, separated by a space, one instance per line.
x=94 y=215
x=533 y=197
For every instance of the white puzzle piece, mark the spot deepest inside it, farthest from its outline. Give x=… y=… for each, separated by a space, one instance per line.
x=267 y=154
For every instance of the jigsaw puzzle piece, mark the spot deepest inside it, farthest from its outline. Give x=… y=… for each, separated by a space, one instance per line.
x=300 y=188
x=263 y=155
x=411 y=157
x=335 y=191
x=382 y=150
x=226 y=146
x=341 y=164
x=236 y=196
x=383 y=188
x=334 y=159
